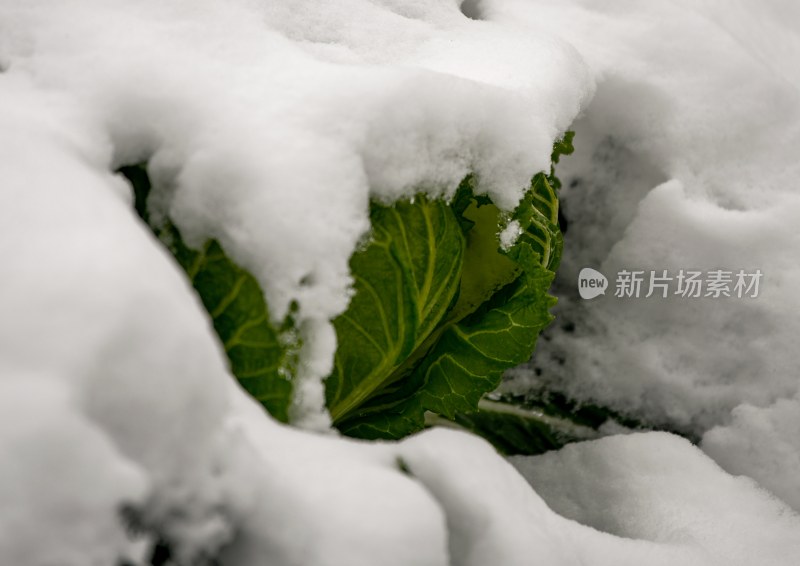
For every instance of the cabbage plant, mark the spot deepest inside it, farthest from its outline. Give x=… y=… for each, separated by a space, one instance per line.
x=447 y=296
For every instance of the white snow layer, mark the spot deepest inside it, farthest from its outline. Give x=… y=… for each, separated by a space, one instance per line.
x=663 y=490
x=269 y=126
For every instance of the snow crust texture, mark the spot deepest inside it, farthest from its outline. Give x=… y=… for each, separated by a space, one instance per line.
x=269 y=126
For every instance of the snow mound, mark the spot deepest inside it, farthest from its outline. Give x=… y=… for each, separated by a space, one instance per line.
x=62 y=480
x=763 y=443
x=301 y=498
x=686 y=159
x=659 y=488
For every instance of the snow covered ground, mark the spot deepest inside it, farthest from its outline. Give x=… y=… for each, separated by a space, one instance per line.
x=686 y=158
x=274 y=123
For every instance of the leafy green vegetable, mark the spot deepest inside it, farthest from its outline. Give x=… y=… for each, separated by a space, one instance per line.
x=440 y=308
x=261 y=357
x=403 y=354
x=405 y=281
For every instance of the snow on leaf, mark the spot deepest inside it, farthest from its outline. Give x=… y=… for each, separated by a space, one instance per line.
x=259 y=356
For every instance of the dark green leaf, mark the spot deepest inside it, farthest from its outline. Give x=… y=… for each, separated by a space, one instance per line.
x=501 y=306
x=405 y=281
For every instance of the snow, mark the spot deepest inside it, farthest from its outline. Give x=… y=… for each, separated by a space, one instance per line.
x=62 y=480
x=509 y=234
x=270 y=126
x=657 y=487
x=686 y=158
x=763 y=443
x=314 y=499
